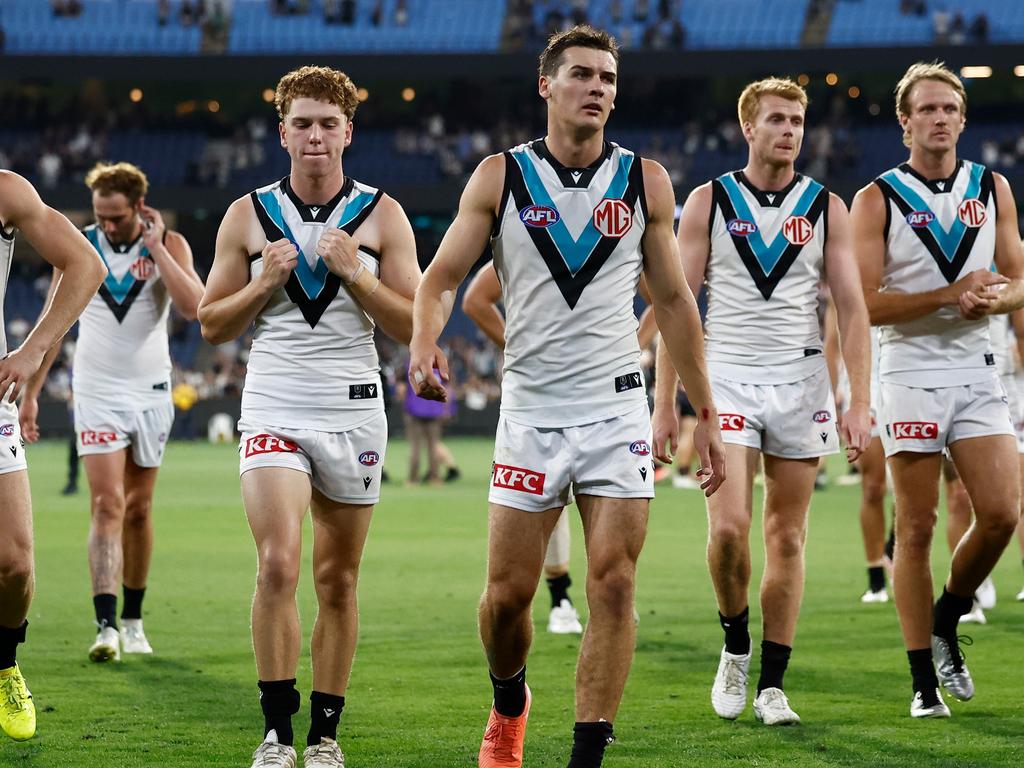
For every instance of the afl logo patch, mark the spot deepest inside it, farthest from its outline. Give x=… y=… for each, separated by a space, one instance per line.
x=6 y=430
x=539 y=216
x=972 y=212
x=741 y=227
x=919 y=219
x=369 y=458
x=640 y=448
x=821 y=417
x=141 y=268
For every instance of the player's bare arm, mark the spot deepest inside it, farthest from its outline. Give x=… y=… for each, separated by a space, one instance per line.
x=480 y=303
x=679 y=321
x=868 y=216
x=648 y=324
x=231 y=301
x=173 y=257
x=1009 y=259
x=388 y=299
x=462 y=245
x=62 y=246
x=694 y=244
x=28 y=409
x=843 y=280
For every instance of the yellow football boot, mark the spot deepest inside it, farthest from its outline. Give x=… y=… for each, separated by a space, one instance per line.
x=17 y=712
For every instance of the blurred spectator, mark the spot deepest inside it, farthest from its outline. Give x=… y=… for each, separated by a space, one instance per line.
x=958 y=30
x=377 y=17
x=401 y=13
x=940 y=25
x=348 y=12
x=163 y=12
x=49 y=168
x=641 y=10
x=979 y=29
x=913 y=7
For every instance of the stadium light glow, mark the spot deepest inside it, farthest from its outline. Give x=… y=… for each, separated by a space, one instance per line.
x=803 y=79
x=186 y=107
x=874 y=109
x=135 y=95
x=831 y=78
x=975 y=72
x=408 y=94
x=213 y=106
x=853 y=91
x=1019 y=70
x=268 y=95
x=362 y=94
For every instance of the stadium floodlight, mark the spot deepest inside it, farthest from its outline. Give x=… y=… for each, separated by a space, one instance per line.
x=1019 y=70
x=975 y=72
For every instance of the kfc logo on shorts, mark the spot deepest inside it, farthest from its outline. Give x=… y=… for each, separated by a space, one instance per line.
x=640 y=448
x=141 y=268
x=613 y=218
x=369 y=458
x=915 y=430
x=6 y=430
x=518 y=479
x=972 y=212
x=731 y=422
x=261 y=444
x=97 y=438
x=821 y=417
x=741 y=227
x=918 y=219
x=798 y=230
x=539 y=216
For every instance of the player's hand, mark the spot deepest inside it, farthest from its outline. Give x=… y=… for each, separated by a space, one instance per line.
x=15 y=371
x=975 y=282
x=975 y=305
x=153 y=227
x=855 y=429
x=424 y=357
x=707 y=441
x=665 y=429
x=279 y=260
x=338 y=250
x=28 y=412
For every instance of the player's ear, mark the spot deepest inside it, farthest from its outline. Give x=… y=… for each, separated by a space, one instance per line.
x=140 y=204
x=280 y=130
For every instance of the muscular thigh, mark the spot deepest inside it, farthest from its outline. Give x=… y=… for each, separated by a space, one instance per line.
x=15 y=512
x=517 y=541
x=614 y=529
x=989 y=468
x=276 y=500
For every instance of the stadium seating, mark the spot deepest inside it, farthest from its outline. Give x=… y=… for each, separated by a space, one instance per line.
x=451 y=26
x=104 y=26
x=877 y=22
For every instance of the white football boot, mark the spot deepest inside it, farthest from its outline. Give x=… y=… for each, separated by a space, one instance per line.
x=107 y=646
x=771 y=707
x=270 y=754
x=326 y=754
x=133 y=638
x=729 y=692
x=563 y=620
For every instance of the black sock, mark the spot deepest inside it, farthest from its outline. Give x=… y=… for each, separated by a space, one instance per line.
x=876 y=578
x=106 y=610
x=10 y=637
x=588 y=744
x=324 y=714
x=559 y=587
x=922 y=671
x=510 y=694
x=737 y=632
x=774 y=660
x=279 y=701
x=132 y=608
x=948 y=610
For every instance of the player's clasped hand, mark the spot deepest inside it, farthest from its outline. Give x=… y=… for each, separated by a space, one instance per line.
x=279 y=259
x=338 y=249
x=977 y=292
x=422 y=364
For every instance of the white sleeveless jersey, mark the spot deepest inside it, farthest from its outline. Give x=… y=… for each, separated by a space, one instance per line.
x=6 y=257
x=122 y=358
x=567 y=252
x=1002 y=340
x=763 y=275
x=937 y=232
x=313 y=364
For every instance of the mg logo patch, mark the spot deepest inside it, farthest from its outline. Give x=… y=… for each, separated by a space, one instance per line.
x=613 y=218
x=141 y=268
x=798 y=230
x=538 y=216
x=972 y=213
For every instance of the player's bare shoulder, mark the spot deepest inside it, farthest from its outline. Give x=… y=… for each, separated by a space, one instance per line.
x=240 y=230
x=17 y=196
x=485 y=187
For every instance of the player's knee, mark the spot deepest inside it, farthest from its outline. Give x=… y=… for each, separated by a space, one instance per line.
x=137 y=512
x=16 y=573
x=336 y=587
x=872 y=491
x=278 y=572
x=999 y=524
x=785 y=542
x=915 y=536
x=108 y=508
x=611 y=586
x=508 y=597
x=728 y=536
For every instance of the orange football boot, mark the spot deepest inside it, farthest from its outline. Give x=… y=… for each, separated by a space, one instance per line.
x=502 y=746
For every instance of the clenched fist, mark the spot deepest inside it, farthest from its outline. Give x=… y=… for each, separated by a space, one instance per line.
x=338 y=250
x=279 y=260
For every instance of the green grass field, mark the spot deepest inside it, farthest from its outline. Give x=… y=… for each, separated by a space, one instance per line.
x=419 y=694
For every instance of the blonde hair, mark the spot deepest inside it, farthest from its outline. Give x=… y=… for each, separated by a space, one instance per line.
x=320 y=83
x=110 y=178
x=750 y=100
x=935 y=70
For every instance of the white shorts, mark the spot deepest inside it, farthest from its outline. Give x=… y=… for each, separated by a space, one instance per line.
x=343 y=466
x=792 y=421
x=1013 y=399
x=12 y=447
x=536 y=468
x=105 y=430
x=926 y=420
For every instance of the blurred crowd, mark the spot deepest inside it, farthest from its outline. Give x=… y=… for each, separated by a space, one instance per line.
x=652 y=25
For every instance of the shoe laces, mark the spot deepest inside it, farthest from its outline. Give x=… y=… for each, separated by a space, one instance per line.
x=735 y=677
x=15 y=693
x=956 y=647
x=271 y=753
x=329 y=749
x=503 y=734
x=776 y=699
